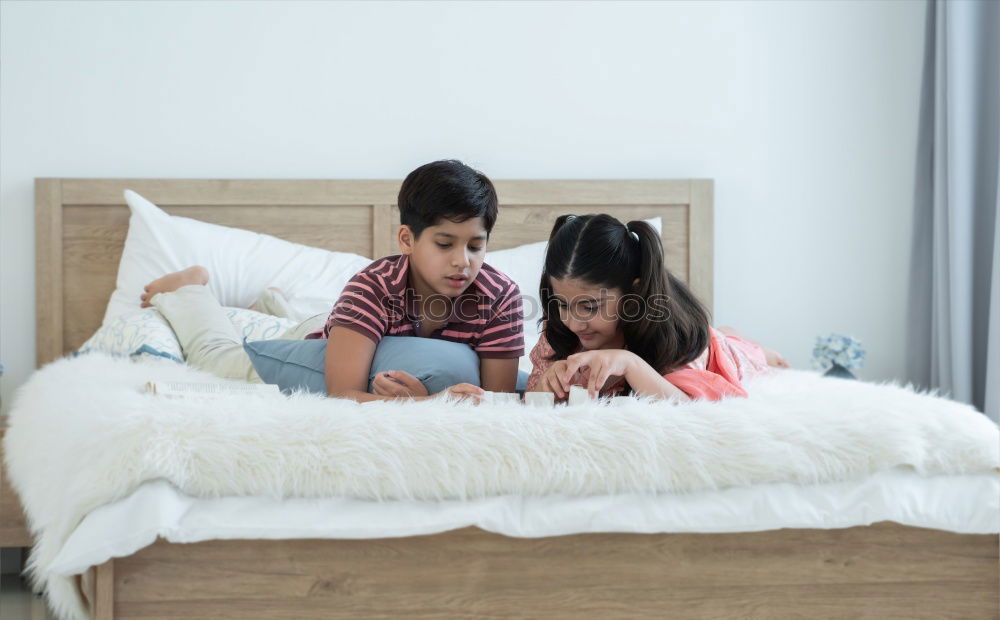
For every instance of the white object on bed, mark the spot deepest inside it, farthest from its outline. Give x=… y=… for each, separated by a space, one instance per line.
x=500 y=398
x=968 y=504
x=539 y=399
x=144 y=332
x=578 y=395
x=241 y=263
x=795 y=427
x=524 y=265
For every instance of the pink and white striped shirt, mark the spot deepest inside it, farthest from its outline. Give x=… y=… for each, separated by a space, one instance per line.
x=379 y=301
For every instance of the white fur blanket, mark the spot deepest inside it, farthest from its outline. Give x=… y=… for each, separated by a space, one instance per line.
x=82 y=435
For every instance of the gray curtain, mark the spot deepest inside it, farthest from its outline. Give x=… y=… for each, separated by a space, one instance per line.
x=954 y=318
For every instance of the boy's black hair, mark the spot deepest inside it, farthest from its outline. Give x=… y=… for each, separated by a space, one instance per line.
x=446 y=189
x=669 y=326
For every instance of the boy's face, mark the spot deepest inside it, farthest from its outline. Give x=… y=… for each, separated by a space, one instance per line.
x=446 y=258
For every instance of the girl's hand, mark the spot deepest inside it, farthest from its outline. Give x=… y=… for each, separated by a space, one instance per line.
x=398 y=384
x=463 y=391
x=552 y=381
x=603 y=363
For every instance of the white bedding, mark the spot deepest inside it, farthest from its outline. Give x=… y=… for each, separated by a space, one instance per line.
x=968 y=504
x=83 y=436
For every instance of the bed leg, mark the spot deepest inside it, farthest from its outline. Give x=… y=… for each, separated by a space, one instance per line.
x=85 y=583
x=104 y=591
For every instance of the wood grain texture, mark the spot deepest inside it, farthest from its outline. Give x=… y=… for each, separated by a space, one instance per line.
x=232 y=192
x=385 y=221
x=365 y=192
x=87 y=583
x=48 y=270
x=104 y=592
x=13 y=523
x=882 y=571
x=594 y=192
x=82 y=223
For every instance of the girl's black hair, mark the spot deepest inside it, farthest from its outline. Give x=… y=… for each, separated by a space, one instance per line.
x=664 y=323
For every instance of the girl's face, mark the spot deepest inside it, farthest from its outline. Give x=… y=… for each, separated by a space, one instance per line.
x=589 y=312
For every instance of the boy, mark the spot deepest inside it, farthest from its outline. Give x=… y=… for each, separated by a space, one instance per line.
x=438 y=287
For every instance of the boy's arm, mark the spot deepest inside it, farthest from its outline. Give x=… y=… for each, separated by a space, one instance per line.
x=349 y=357
x=505 y=334
x=498 y=375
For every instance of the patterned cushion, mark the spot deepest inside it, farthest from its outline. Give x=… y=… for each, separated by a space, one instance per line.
x=146 y=334
x=136 y=333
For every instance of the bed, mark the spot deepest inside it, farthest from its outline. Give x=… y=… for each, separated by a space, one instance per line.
x=879 y=569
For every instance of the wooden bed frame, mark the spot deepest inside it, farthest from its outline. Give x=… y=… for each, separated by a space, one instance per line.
x=881 y=571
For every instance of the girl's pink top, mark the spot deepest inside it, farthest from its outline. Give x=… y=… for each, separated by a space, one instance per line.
x=718 y=372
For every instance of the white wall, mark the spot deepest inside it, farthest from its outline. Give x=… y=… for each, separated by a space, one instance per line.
x=805 y=114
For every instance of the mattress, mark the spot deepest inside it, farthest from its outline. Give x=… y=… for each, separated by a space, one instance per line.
x=959 y=503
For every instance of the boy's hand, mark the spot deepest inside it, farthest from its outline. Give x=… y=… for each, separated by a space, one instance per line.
x=398 y=383
x=552 y=380
x=462 y=391
x=603 y=363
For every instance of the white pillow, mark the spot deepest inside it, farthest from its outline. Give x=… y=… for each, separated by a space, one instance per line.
x=144 y=332
x=241 y=263
x=524 y=264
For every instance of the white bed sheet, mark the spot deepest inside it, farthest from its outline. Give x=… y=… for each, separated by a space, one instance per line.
x=964 y=504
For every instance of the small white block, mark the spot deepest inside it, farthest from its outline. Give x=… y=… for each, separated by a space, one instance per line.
x=540 y=399
x=506 y=398
x=500 y=398
x=578 y=395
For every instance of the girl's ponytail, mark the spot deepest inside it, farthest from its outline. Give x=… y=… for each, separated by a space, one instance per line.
x=673 y=328
x=652 y=269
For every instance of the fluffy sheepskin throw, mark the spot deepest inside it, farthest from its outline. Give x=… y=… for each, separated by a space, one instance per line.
x=83 y=434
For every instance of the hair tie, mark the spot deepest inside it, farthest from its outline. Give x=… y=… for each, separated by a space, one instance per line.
x=569 y=218
x=635 y=236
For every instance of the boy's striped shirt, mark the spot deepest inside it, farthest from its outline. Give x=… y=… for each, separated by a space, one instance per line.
x=379 y=301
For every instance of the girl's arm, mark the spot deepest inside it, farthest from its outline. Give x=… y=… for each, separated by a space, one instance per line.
x=608 y=363
x=539 y=363
x=647 y=382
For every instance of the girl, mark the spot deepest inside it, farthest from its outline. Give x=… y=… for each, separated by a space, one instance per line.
x=616 y=321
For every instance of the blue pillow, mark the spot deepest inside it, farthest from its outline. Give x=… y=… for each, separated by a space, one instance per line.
x=299 y=364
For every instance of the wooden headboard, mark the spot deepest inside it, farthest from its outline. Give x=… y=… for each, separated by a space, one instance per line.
x=80 y=227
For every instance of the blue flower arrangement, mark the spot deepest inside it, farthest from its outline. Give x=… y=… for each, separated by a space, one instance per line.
x=837 y=350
